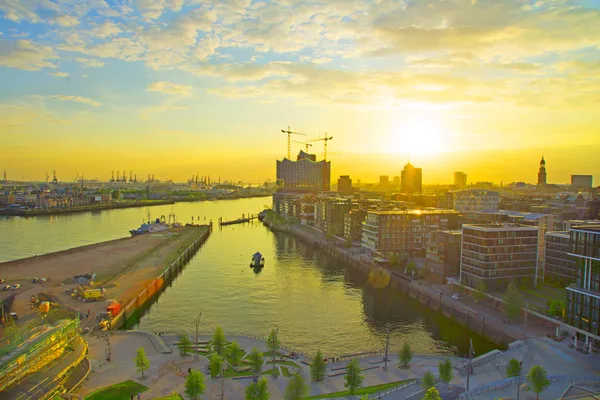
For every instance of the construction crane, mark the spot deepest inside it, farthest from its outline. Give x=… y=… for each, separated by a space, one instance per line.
x=325 y=140
x=290 y=133
x=307 y=144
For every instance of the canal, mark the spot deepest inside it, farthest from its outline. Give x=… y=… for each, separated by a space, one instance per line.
x=315 y=301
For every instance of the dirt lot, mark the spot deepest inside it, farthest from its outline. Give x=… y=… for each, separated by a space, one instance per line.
x=123 y=267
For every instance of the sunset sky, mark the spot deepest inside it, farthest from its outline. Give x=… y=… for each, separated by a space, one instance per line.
x=175 y=87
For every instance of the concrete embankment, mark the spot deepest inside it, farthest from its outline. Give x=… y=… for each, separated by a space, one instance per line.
x=69 y=210
x=423 y=293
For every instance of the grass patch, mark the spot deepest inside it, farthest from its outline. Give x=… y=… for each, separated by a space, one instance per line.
x=175 y=396
x=272 y=371
x=361 y=391
x=288 y=363
x=122 y=390
x=230 y=373
x=285 y=372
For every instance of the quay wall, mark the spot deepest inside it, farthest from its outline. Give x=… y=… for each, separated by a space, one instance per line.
x=77 y=209
x=153 y=290
x=461 y=315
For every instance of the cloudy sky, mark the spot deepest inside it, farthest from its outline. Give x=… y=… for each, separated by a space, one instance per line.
x=173 y=87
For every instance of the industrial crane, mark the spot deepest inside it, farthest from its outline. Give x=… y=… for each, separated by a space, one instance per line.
x=303 y=143
x=289 y=133
x=325 y=140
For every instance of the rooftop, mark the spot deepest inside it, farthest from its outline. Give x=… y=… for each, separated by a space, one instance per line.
x=415 y=212
x=501 y=226
x=564 y=234
x=590 y=228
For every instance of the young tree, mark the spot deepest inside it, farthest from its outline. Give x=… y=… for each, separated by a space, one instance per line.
x=393 y=259
x=432 y=394
x=538 y=380
x=405 y=355
x=141 y=361
x=233 y=353
x=354 y=377
x=218 y=340
x=194 y=384
x=317 y=368
x=296 y=389
x=480 y=289
x=411 y=267
x=428 y=380
x=273 y=342
x=513 y=301
x=216 y=363
x=255 y=359
x=513 y=368
x=258 y=391
x=184 y=345
x=445 y=372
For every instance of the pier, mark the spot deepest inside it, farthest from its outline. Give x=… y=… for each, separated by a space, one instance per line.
x=244 y=219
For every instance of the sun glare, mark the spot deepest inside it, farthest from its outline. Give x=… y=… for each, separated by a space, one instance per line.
x=421 y=133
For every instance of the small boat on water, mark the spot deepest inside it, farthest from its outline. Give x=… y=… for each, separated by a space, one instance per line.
x=258 y=261
x=150 y=227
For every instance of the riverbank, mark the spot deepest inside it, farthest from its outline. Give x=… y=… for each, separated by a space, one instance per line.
x=484 y=321
x=124 y=267
x=71 y=210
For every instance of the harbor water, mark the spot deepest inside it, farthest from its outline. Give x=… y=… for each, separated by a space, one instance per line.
x=314 y=300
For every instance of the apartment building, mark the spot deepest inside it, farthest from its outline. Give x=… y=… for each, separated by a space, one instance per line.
x=404 y=232
x=475 y=200
x=353 y=224
x=498 y=253
x=443 y=255
x=583 y=296
x=559 y=265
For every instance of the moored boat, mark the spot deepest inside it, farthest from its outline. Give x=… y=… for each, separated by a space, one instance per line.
x=150 y=227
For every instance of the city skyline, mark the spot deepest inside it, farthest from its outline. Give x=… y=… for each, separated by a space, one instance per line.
x=179 y=87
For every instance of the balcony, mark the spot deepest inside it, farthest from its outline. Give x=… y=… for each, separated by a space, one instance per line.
x=577 y=289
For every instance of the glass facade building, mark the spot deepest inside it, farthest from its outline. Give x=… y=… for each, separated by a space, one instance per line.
x=583 y=300
x=559 y=265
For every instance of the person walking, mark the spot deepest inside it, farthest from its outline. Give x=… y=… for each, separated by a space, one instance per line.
x=139 y=396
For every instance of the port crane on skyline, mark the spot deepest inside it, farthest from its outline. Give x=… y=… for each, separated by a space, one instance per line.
x=325 y=139
x=307 y=144
x=289 y=135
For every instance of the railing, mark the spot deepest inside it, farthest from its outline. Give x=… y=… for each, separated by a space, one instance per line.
x=393 y=390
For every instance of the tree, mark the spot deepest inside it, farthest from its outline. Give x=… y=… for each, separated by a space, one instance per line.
x=432 y=394
x=393 y=259
x=233 y=353
x=258 y=391
x=428 y=380
x=480 y=289
x=216 y=363
x=411 y=267
x=273 y=342
x=538 y=380
x=296 y=389
x=405 y=355
x=184 y=345
x=513 y=368
x=194 y=384
x=513 y=301
x=218 y=340
x=317 y=368
x=141 y=361
x=255 y=359
x=445 y=371
x=354 y=377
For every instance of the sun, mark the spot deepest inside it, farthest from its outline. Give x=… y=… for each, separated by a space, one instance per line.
x=422 y=132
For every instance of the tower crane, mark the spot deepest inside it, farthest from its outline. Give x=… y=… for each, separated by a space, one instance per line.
x=307 y=144
x=325 y=140
x=289 y=134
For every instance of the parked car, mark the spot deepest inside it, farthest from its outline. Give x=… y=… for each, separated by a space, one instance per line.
x=15 y=286
x=34 y=280
x=2 y=280
x=5 y=288
x=42 y=280
x=456 y=296
x=13 y=315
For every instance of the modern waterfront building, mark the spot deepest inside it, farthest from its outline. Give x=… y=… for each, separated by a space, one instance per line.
x=475 y=200
x=353 y=224
x=287 y=204
x=559 y=265
x=345 y=184
x=542 y=172
x=304 y=173
x=443 y=256
x=582 y=181
x=497 y=254
x=330 y=214
x=411 y=179
x=460 y=180
x=583 y=296
x=308 y=209
x=404 y=232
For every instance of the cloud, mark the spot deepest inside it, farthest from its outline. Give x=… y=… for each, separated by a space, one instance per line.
x=59 y=74
x=77 y=99
x=170 y=88
x=27 y=55
x=89 y=62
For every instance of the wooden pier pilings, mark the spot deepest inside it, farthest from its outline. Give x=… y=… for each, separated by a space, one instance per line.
x=153 y=290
